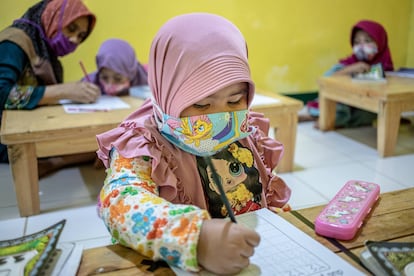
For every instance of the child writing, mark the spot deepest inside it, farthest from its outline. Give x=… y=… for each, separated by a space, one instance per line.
x=31 y=73
x=158 y=197
x=117 y=68
x=369 y=43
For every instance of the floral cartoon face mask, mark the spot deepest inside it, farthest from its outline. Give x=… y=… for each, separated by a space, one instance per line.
x=207 y=134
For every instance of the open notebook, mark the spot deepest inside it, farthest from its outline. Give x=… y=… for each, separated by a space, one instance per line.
x=286 y=250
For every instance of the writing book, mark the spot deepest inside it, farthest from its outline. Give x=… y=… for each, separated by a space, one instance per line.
x=374 y=75
x=286 y=250
x=40 y=254
x=389 y=258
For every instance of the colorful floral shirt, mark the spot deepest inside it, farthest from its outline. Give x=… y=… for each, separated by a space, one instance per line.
x=138 y=218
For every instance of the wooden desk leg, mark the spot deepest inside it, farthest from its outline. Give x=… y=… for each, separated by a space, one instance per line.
x=286 y=134
x=23 y=163
x=388 y=125
x=327 y=112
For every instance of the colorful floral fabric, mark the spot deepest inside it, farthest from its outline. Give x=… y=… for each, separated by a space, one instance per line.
x=138 y=218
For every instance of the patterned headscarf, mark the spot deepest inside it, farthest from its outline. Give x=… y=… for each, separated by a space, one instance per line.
x=73 y=9
x=192 y=57
x=35 y=15
x=377 y=32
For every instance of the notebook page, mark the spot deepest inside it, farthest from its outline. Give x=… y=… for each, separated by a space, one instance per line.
x=286 y=250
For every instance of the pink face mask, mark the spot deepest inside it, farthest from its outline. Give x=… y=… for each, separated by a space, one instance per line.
x=114 y=89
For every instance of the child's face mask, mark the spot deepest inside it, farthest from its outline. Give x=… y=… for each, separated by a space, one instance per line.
x=365 y=52
x=204 y=135
x=113 y=88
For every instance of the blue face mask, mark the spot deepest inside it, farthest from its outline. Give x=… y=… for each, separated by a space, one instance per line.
x=205 y=135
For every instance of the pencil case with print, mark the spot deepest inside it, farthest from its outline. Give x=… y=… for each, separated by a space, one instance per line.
x=344 y=215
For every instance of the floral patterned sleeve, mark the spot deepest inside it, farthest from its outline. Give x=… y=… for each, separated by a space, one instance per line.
x=139 y=218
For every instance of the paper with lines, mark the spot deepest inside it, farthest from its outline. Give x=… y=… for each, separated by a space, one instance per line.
x=286 y=250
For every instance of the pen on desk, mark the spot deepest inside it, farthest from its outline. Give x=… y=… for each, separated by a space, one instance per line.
x=220 y=187
x=85 y=73
x=85 y=109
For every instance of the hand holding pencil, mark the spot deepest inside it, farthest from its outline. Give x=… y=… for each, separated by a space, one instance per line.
x=224 y=246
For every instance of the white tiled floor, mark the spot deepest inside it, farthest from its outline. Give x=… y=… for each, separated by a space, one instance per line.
x=323 y=163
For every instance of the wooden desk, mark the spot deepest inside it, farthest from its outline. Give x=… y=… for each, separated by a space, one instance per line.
x=388 y=100
x=283 y=117
x=50 y=131
x=392 y=219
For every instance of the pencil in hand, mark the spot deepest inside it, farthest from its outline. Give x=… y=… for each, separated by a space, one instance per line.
x=217 y=181
x=85 y=73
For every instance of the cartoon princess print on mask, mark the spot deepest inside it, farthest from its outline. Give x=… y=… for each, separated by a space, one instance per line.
x=239 y=177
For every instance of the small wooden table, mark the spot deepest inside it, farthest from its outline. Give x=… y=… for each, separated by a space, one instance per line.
x=388 y=100
x=50 y=131
x=392 y=219
x=283 y=116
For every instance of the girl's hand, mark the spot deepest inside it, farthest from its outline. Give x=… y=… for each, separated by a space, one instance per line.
x=82 y=92
x=224 y=247
x=356 y=68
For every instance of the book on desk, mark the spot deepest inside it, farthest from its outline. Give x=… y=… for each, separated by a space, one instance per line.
x=389 y=258
x=40 y=254
x=374 y=75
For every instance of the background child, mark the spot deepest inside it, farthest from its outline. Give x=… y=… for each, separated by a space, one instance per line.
x=158 y=197
x=118 y=68
x=369 y=43
x=30 y=71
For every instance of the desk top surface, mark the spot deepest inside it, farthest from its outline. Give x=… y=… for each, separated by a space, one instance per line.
x=47 y=119
x=394 y=87
x=392 y=219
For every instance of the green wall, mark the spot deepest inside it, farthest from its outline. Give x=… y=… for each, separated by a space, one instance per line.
x=291 y=43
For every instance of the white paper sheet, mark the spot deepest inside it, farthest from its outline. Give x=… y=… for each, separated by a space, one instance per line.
x=286 y=250
x=263 y=100
x=104 y=103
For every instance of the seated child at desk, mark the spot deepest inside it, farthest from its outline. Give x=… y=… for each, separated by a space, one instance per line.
x=369 y=43
x=159 y=197
x=118 y=69
x=31 y=74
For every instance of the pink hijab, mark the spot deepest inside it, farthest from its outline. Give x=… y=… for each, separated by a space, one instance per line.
x=191 y=57
x=379 y=35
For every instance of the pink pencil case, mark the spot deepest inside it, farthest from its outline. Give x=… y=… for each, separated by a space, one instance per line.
x=345 y=213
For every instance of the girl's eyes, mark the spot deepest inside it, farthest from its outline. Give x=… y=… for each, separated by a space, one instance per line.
x=201 y=106
x=234 y=102
x=73 y=28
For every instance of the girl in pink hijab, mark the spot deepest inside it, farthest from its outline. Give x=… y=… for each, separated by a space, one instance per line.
x=159 y=197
